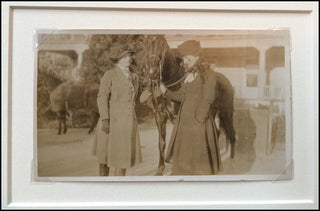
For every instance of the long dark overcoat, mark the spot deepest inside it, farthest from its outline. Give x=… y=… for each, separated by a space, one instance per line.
x=116 y=101
x=194 y=148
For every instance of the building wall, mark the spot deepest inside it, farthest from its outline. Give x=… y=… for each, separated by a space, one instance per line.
x=239 y=78
x=255 y=57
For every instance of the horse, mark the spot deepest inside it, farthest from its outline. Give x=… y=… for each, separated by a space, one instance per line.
x=223 y=108
x=67 y=97
x=164 y=66
x=159 y=58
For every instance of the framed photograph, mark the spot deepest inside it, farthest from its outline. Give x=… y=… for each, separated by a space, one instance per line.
x=110 y=99
x=74 y=99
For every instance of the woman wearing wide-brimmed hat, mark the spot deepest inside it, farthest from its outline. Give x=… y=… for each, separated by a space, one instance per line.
x=117 y=142
x=194 y=146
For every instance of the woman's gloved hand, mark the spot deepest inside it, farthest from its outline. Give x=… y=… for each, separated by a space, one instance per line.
x=163 y=88
x=106 y=125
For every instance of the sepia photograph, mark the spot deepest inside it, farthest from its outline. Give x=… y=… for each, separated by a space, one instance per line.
x=167 y=103
x=170 y=105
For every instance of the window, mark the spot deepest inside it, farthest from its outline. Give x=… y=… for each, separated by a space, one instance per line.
x=252 y=80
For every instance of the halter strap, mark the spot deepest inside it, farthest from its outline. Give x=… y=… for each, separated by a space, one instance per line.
x=175 y=83
x=162 y=61
x=85 y=100
x=161 y=66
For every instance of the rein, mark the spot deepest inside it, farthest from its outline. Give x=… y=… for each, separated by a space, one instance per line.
x=175 y=83
x=178 y=81
x=85 y=100
x=161 y=66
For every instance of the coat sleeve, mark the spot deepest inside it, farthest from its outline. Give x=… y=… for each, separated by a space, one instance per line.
x=208 y=97
x=175 y=95
x=104 y=95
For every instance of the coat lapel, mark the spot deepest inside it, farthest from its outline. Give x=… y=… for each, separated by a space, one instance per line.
x=122 y=77
x=131 y=83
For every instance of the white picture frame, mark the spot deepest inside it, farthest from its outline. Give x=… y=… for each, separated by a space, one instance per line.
x=20 y=19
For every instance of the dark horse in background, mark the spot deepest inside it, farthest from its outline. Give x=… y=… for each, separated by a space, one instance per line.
x=223 y=108
x=162 y=65
x=67 y=97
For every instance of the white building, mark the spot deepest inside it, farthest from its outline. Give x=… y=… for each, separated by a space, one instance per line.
x=255 y=62
x=72 y=45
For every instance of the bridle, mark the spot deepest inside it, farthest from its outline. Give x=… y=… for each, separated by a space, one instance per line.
x=178 y=81
x=161 y=61
x=161 y=66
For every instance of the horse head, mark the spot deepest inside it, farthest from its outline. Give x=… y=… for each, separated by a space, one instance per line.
x=162 y=65
x=155 y=50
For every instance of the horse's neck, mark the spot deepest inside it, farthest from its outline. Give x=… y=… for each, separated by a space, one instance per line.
x=170 y=64
x=172 y=72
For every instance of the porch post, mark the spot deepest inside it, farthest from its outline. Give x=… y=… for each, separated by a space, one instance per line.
x=262 y=73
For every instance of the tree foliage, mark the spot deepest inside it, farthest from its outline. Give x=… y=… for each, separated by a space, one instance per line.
x=96 y=59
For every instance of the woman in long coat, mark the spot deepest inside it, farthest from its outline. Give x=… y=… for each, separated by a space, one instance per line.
x=194 y=146
x=120 y=149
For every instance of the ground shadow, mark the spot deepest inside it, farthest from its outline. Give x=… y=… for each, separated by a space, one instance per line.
x=244 y=148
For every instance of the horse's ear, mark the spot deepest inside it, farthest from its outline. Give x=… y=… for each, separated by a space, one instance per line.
x=159 y=45
x=114 y=60
x=148 y=45
x=155 y=50
x=152 y=46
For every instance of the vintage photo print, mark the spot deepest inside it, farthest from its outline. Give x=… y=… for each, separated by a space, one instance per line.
x=161 y=105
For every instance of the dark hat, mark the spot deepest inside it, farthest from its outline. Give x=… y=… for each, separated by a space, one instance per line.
x=190 y=47
x=119 y=50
